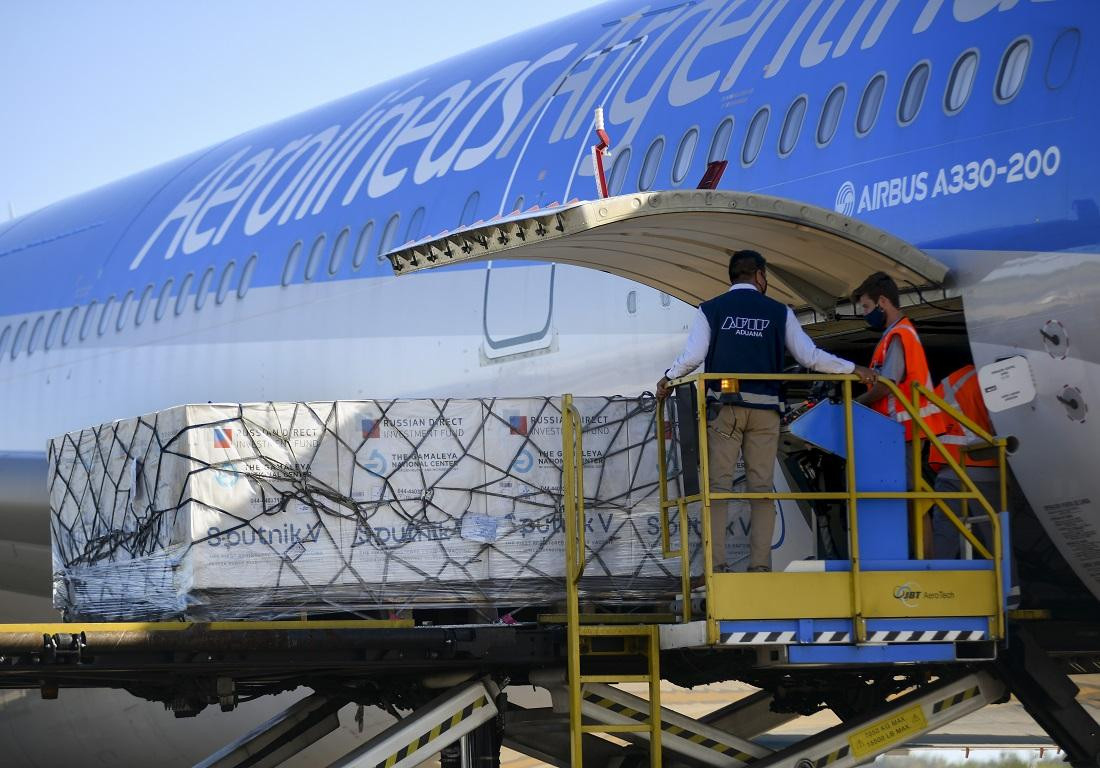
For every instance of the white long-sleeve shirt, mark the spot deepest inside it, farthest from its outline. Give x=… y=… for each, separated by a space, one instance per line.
x=799 y=344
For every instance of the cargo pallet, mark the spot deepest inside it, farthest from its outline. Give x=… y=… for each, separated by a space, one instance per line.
x=851 y=618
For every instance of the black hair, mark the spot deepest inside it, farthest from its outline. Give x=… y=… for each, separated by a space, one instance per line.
x=745 y=264
x=875 y=287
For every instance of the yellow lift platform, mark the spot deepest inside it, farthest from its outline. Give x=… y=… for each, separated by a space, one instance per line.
x=866 y=610
x=888 y=593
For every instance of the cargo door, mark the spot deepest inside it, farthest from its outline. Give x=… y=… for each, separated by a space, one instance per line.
x=677 y=242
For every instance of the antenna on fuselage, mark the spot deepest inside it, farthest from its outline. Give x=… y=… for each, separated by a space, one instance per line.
x=598 y=152
x=11 y=211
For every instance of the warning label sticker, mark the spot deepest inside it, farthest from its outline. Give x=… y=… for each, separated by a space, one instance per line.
x=885 y=733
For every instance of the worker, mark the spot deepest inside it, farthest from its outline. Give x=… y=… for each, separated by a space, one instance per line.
x=961 y=391
x=898 y=356
x=743 y=331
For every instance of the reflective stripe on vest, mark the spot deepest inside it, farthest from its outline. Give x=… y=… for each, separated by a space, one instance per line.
x=901 y=415
x=957 y=433
x=950 y=396
x=916 y=369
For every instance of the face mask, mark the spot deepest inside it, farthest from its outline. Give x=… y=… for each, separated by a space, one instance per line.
x=876 y=318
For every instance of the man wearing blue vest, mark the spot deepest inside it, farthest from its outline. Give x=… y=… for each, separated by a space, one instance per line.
x=743 y=331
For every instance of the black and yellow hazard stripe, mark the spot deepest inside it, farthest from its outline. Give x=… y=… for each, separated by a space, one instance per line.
x=426 y=738
x=672 y=730
x=832 y=757
x=958 y=698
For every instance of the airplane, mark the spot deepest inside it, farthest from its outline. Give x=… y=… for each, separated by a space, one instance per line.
x=257 y=269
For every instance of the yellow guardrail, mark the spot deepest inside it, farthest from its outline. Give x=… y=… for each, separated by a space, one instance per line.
x=573 y=501
x=922 y=497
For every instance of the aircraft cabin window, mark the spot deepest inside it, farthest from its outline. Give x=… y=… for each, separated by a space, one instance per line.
x=291 y=263
x=316 y=253
x=390 y=231
x=754 y=137
x=54 y=329
x=36 y=334
x=246 y=275
x=618 y=172
x=1010 y=77
x=225 y=282
x=650 y=164
x=70 y=327
x=870 y=104
x=204 y=288
x=162 y=302
x=17 y=342
x=338 y=249
x=666 y=300
x=685 y=153
x=469 y=210
x=362 y=245
x=720 y=142
x=89 y=320
x=792 y=126
x=143 y=304
x=185 y=292
x=912 y=93
x=518 y=205
x=416 y=223
x=631 y=302
x=105 y=315
x=961 y=82
x=830 y=115
x=4 y=340
x=123 y=308
x=1063 y=57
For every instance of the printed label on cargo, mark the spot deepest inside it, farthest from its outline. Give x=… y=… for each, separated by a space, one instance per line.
x=481 y=528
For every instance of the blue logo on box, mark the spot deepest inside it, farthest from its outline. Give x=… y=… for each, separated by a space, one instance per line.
x=523 y=462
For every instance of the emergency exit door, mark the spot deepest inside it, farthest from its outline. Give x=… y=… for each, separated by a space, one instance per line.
x=518 y=308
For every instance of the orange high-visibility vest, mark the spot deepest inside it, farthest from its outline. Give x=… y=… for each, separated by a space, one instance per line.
x=916 y=369
x=961 y=390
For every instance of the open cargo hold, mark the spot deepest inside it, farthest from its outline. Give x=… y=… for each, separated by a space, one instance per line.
x=273 y=509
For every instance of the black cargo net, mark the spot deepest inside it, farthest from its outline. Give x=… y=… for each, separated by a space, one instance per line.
x=282 y=509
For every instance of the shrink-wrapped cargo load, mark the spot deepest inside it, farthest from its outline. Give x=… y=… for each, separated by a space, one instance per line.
x=274 y=509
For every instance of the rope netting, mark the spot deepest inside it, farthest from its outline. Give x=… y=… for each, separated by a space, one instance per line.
x=277 y=509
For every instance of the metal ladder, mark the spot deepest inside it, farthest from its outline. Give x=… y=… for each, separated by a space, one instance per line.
x=583 y=629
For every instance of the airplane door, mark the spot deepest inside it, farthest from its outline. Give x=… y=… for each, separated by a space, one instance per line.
x=518 y=310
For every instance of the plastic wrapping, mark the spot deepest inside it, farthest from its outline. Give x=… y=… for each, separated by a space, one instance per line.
x=275 y=509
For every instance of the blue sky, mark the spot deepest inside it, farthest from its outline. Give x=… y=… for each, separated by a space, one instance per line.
x=92 y=92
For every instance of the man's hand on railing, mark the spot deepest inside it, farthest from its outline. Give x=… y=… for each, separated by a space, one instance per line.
x=663 y=389
x=866 y=375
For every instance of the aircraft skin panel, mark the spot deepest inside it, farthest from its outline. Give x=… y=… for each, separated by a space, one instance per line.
x=325 y=333
x=1018 y=298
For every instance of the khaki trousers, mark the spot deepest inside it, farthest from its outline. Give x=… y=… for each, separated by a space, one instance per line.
x=753 y=432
